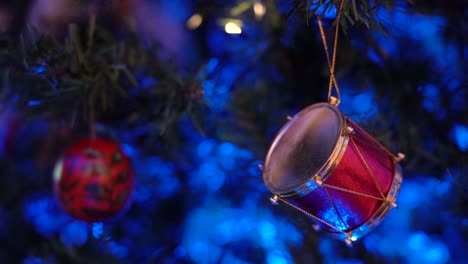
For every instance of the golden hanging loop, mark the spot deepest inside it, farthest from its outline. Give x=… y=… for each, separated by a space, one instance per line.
x=331 y=63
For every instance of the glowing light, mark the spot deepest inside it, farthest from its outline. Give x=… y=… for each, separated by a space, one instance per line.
x=267 y=233
x=194 y=21
x=418 y=241
x=75 y=233
x=161 y=178
x=32 y=260
x=120 y=251
x=205 y=147
x=57 y=174
x=34 y=102
x=167 y=185
x=233 y=28
x=431 y=97
x=129 y=150
x=147 y=82
x=226 y=148
x=211 y=65
x=97 y=229
x=259 y=9
x=46 y=216
x=273 y=258
x=365 y=105
x=40 y=69
x=460 y=135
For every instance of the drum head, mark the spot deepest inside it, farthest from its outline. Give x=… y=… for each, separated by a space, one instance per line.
x=302 y=147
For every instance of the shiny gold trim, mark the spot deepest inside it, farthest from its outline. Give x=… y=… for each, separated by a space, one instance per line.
x=334 y=101
x=332 y=161
x=330 y=164
x=274 y=200
x=399 y=157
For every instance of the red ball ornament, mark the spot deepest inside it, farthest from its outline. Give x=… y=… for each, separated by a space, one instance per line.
x=93 y=180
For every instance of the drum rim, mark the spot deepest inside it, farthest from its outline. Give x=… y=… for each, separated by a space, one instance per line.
x=338 y=150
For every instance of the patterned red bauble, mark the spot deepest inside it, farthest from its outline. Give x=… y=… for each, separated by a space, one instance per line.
x=93 y=180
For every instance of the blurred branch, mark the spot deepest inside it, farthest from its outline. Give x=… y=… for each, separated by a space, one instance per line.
x=94 y=66
x=19 y=10
x=355 y=12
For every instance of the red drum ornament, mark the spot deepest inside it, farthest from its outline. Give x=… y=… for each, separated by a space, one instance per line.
x=93 y=180
x=326 y=166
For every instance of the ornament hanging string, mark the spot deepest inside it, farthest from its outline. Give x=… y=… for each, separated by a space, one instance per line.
x=91 y=119
x=332 y=62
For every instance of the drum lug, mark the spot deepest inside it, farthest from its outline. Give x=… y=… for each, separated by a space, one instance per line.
x=348 y=242
x=260 y=167
x=289 y=118
x=400 y=157
x=349 y=239
x=274 y=199
x=350 y=130
x=333 y=101
x=318 y=180
x=391 y=202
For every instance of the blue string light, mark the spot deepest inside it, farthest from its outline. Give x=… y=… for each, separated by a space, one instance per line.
x=97 y=229
x=213 y=225
x=46 y=215
x=33 y=260
x=460 y=136
x=74 y=233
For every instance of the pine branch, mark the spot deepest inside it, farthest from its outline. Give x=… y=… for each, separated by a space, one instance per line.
x=95 y=67
x=355 y=12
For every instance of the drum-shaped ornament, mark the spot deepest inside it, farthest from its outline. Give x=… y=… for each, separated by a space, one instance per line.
x=326 y=166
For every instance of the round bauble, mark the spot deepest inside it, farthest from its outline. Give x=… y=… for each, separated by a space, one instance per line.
x=93 y=180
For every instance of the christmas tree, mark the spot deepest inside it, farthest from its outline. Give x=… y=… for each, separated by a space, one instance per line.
x=194 y=93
